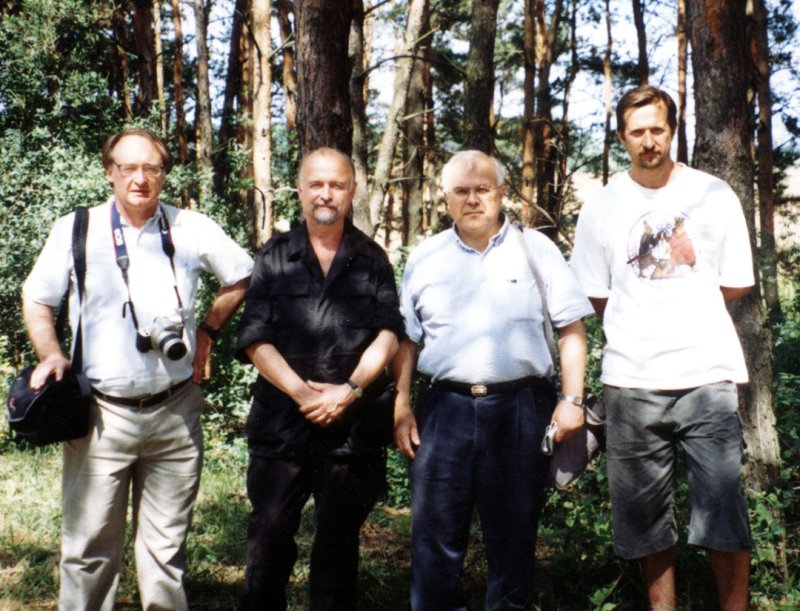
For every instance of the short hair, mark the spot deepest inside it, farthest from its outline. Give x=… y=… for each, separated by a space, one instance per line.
x=142 y=132
x=327 y=151
x=644 y=95
x=470 y=156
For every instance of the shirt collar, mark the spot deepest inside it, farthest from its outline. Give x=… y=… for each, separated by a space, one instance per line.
x=495 y=240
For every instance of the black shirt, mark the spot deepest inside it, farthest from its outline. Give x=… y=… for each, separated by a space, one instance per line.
x=320 y=325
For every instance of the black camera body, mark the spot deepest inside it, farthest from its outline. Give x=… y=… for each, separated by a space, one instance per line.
x=165 y=335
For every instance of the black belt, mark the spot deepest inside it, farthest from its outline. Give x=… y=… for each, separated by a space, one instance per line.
x=496 y=388
x=143 y=400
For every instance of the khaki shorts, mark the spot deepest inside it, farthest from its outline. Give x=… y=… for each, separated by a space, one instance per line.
x=644 y=429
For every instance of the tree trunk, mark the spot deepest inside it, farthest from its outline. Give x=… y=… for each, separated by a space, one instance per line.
x=261 y=213
x=233 y=84
x=144 y=41
x=285 y=8
x=564 y=130
x=323 y=75
x=416 y=17
x=766 y=200
x=358 y=112
x=721 y=66
x=122 y=66
x=544 y=147
x=415 y=148
x=177 y=79
x=681 y=35
x=609 y=133
x=245 y=110
x=479 y=88
x=162 y=105
x=204 y=138
x=528 y=157
x=642 y=65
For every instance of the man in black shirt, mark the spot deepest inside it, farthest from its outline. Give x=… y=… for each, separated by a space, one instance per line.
x=321 y=322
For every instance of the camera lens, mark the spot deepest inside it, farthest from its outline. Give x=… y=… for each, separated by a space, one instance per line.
x=172 y=346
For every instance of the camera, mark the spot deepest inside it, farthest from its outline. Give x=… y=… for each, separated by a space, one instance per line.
x=164 y=334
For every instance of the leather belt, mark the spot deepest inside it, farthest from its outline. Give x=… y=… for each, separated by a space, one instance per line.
x=496 y=388
x=143 y=401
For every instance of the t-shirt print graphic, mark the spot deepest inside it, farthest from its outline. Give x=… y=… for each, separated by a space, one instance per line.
x=659 y=246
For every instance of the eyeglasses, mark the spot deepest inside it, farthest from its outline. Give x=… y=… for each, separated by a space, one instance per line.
x=130 y=169
x=462 y=193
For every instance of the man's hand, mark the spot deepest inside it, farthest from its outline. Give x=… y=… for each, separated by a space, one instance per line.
x=569 y=418
x=201 y=366
x=406 y=435
x=55 y=364
x=329 y=404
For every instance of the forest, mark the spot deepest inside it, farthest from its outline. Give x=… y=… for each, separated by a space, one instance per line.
x=242 y=88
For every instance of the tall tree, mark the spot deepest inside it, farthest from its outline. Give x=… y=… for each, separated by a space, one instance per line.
x=358 y=111
x=417 y=10
x=144 y=41
x=159 y=49
x=288 y=77
x=261 y=214
x=721 y=64
x=528 y=176
x=642 y=64
x=766 y=199
x=177 y=82
x=322 y=31
x=479 y=88
x=608 y=136
x=204 y=136
x=683 y=43
x=121 y=74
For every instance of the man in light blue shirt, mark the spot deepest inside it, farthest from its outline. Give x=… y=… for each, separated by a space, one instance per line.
x=470 y=298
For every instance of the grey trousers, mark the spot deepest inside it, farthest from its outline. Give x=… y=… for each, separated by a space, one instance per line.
x=156 y=453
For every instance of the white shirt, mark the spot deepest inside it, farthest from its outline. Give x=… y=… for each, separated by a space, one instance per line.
x=660 y=257
x=479 y=314
x=110 y=357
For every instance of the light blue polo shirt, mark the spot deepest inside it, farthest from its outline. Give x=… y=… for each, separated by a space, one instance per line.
x=479 y=314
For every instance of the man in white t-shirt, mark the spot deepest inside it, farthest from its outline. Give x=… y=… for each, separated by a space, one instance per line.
x=145 y=358
x=660 y=251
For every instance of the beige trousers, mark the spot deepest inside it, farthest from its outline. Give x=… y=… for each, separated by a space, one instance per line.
x=156 y=453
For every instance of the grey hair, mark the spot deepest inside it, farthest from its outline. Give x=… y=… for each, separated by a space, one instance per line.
x=471 y=157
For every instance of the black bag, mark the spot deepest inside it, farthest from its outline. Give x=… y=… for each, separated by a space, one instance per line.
x=58 y=411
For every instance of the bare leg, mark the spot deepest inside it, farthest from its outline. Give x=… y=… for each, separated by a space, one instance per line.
x=732 y=575
x=659 y=577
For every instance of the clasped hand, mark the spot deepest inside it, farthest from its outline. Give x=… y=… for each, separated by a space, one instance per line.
x=324 y=404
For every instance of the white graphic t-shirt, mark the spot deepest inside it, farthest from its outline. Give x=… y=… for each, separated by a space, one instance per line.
x=659 y=256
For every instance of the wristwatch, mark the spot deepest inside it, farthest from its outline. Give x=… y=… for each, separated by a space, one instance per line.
x=357 y=391
x=210 y=331
x=571 y=399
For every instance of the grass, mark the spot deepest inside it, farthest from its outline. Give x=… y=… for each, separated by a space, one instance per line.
x=576 y=565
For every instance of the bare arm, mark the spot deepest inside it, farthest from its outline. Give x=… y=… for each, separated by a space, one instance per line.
x=572 y=354
x=333 y=399
x=599 y=304
x=39 y=322
x=228 y=300
x=274 y=368
x=731 y=294
x=406 y=435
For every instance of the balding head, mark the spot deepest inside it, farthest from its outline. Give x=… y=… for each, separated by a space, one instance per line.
x=468 y=162
x=326 y=151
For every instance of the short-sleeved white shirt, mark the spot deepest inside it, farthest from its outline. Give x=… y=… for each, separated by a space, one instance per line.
x=110 y=358
x=660 y=256
x=479 y=314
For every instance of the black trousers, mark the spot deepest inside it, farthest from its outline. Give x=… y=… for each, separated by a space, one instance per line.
x=345 y=488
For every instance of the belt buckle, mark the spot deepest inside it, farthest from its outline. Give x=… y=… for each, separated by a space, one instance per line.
x=478 y=390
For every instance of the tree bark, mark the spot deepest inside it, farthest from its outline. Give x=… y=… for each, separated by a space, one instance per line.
x=416 y=17
x=681 y=35
x=358 y=112
x=766 y=199
x=528 y=157
x=722 y=147
x=323 y=98
x=261 y=213
x=609 y=133
x=162 y=104
x=144 y=42
x=479 y=88
x=180 y=110
x=642 y=64
x=288 y=76
x=204 y=138
x=122 y=65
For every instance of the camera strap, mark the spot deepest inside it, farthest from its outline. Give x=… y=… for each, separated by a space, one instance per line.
x=123 y=261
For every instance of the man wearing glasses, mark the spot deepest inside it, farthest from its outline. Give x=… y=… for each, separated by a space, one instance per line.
x=145 y=358
x=470 y=297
